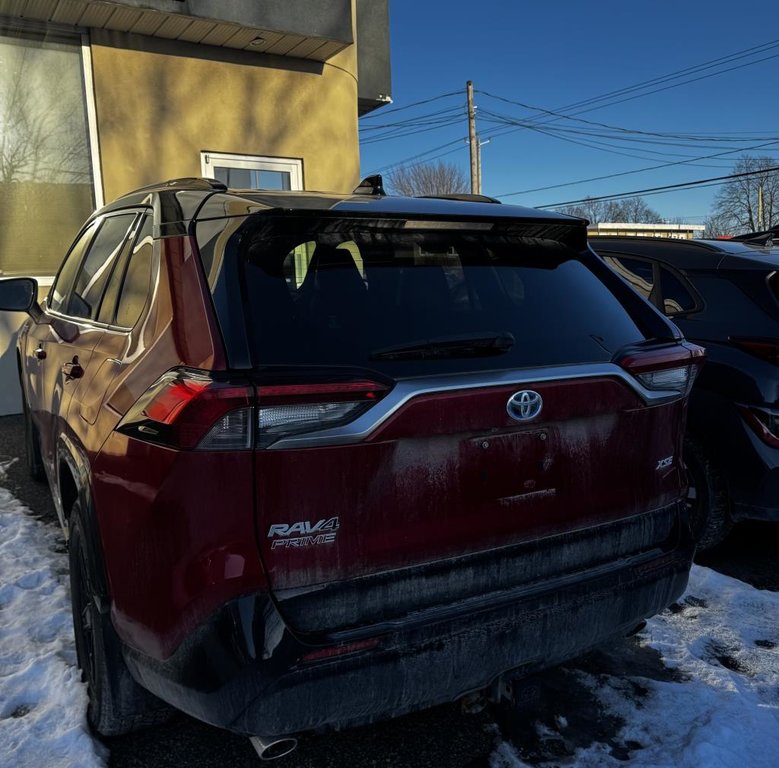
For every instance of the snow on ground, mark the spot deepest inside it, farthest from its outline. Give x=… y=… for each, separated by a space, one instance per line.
x=716 y=705
x=698 y=688
x=42 y=699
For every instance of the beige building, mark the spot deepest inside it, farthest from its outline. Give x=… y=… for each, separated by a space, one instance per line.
x=627 y=229
x=98 y=98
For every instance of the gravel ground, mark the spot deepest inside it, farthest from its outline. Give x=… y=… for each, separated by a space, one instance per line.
x=444 y=735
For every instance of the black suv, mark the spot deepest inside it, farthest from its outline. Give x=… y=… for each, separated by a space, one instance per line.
x=723 y=295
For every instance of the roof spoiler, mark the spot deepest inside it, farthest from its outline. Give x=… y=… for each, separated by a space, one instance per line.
x=759 y=238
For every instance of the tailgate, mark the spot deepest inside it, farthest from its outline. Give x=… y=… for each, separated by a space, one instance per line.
x=408 y=512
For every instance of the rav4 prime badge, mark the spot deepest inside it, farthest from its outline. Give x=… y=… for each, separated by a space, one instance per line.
x=322 y=532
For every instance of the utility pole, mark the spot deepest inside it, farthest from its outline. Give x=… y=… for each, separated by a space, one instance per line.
x=760 y=213
x=473 y=140
x=478 y=166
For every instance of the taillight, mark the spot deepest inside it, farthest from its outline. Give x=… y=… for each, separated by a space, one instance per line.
x=763 y=423
x=671 y=368
x=294 y=409
x=191 y=409
x=765 y=349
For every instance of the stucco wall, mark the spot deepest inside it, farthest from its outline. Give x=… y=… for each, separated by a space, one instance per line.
x=160 y=103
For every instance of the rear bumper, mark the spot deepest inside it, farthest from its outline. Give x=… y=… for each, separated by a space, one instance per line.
x=749 y=466
x=754 y=482
x=243 y=669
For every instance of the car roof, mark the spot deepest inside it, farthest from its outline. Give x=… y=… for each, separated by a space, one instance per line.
x=180 y=201
x=692 y=254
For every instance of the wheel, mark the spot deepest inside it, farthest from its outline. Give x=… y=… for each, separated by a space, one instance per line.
x=32 y=445
x=117 y=704
x=707 y=498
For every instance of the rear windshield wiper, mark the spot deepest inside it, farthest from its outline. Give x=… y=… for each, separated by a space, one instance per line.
x=463 y=345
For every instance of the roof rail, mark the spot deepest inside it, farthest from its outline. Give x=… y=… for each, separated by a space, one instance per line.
x=464 y=197
x=187 y=182
x=370 y=185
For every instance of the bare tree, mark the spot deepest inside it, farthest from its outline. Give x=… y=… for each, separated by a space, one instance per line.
x=717 y=225
x=632 y=209
x=737 y=204
x=439 y=178
x=637 y=210
x=592 y=210
x=41 y=139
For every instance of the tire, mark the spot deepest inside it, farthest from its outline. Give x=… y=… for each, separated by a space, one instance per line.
x=117 y=704
x=707 y=498
x=32 y=445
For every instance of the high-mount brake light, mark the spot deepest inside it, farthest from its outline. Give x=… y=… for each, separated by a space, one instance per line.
x=671 y=368
x=193 y=410
x=293 y=409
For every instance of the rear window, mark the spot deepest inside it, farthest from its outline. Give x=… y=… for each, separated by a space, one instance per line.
x=411 y=301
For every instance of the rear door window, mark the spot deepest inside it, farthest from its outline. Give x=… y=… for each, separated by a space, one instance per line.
x=67 y=273
x=657 y=283
x=677 y=297
x=129 y=286
x=92 y=277
x=409 y=302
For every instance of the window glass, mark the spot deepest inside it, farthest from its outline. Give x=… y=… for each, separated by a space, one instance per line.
x=676 y=297
x=253 y=171
x=634 y=271
x=96 y=268
x=67 y=273
x=137 y=278
x=45 y=163
x=339 y=292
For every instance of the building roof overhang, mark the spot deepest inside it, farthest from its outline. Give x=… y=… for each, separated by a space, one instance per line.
x=315 y=31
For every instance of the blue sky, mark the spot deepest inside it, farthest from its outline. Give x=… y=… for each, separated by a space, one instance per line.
x=550 y=54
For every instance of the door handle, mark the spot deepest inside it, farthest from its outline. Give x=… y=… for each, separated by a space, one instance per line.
x=73 y=370
x=40 y=352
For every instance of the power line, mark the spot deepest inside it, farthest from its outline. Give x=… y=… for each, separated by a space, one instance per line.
x=607 y=126
x=638 y=170
x=392 y=110
x=710 y=64
x=744 y=53
x=736 y=55
x=711 y=182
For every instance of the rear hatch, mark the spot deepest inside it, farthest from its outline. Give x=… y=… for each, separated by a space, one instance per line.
x=435 y=398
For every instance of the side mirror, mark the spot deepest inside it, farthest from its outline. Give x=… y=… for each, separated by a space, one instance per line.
x=20 y=294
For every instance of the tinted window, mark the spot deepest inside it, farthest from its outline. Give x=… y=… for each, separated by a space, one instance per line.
x=96 y=268
x=634 y=271
x=67 y=273
x=137 y=278
x=337 y=292
x=676 y=297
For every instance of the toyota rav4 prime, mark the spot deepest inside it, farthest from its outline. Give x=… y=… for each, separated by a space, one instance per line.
x=323 y=460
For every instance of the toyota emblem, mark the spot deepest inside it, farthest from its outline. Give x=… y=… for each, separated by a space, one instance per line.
x=524 y=405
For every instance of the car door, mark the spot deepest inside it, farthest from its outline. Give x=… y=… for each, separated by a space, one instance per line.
x=125 y=312
x=59 y=349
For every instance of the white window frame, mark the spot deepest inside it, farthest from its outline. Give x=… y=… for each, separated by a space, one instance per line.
x=288 y=165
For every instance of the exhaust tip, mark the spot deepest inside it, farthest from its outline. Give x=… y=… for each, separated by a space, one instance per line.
x=273 y=749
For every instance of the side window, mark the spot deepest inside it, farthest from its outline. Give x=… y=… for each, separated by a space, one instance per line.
x=676 y=297
x=67 y=273
x=634 y=271
x=96 y=268
x=137 y=278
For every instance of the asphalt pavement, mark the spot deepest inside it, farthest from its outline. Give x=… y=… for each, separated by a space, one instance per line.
x=444 y=736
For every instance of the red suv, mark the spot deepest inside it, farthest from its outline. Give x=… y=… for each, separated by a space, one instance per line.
x=326 y=459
